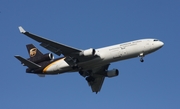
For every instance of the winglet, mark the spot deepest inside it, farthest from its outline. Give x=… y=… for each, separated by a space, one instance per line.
x=21 y=29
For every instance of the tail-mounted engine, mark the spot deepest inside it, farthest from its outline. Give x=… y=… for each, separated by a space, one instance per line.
x=45 y=57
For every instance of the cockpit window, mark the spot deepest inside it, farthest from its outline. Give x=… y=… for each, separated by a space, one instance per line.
x=156 y=40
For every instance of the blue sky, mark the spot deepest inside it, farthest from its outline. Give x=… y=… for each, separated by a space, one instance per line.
x=154 y=84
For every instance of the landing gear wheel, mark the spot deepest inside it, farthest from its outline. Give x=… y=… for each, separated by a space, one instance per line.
x=90 y=79
x=142 y=60
x=141 y=55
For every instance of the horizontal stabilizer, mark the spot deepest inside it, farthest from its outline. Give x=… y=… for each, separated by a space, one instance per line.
x=27 y=63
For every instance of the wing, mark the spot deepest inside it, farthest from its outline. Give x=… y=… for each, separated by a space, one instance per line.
x=52 y=46
x=99 y=77
x=98 y=82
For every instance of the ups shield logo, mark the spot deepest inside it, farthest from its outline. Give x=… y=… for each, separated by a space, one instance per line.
x=32 y=52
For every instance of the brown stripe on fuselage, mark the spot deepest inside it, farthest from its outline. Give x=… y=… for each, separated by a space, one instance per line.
x=45 y=69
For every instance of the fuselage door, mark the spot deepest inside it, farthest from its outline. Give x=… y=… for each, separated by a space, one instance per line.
x=148 y=46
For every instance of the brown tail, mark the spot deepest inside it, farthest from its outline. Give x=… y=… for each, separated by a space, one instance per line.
x=33 y=51
x=36 y=56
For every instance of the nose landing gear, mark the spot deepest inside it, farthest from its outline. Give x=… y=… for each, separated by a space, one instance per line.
x=141 y=55
x=141 y=59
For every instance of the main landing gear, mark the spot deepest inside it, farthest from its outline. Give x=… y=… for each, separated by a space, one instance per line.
x=88 y=75
x=90 y=79
x=141 y=55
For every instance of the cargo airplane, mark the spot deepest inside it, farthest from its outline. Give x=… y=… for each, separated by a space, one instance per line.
x=91 y=63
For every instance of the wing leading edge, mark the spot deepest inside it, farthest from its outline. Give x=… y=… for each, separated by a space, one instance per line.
x=52 y=46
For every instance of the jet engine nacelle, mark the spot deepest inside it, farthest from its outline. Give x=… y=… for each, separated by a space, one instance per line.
x=45 y=57
x=88 y=52
x=112 y=73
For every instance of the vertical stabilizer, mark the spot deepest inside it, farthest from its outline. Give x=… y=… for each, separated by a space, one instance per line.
x=33 y=51
x=34 y=54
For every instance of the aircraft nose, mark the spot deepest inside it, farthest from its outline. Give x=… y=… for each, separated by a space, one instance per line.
x=157 y=44
x=161 y=44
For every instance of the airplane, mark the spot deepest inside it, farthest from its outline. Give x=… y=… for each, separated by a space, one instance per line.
x=92 y=64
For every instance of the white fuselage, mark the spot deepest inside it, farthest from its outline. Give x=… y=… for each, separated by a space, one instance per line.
x=109 y=54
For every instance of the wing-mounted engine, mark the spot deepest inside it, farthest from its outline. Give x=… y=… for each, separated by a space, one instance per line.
x=112 y=73
x=44 y=57
x=88 y=52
